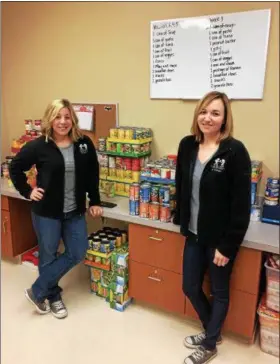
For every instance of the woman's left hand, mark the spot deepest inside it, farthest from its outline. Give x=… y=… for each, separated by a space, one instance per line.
x=220 y=260
x=96 y=211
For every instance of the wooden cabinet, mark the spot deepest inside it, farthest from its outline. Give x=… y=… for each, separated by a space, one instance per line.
x=155 y=247
x=156 y=278
x=156 y=286
x=17 y=232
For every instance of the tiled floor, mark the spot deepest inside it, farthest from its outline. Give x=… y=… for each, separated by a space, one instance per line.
x=94 y=333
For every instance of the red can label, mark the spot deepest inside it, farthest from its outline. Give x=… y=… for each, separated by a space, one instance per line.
x=144 y=210
x=165 y=213
x=154 y=211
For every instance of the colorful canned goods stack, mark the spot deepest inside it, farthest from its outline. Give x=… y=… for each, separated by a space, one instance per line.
x=272 y=192
x=134 y=199
x=164 y=168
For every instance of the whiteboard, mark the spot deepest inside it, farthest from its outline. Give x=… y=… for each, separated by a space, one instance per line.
x=225 y=52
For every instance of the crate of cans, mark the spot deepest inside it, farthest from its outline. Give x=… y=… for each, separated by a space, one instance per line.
x=161 y=171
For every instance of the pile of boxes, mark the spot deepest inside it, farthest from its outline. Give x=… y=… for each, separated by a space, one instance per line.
x=269 y=308
x=109 y=271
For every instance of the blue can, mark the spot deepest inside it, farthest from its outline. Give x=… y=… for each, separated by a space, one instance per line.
x=145 y=192
x=134 y=207
x=272 y=192
x=164 y=195
x=273 y=181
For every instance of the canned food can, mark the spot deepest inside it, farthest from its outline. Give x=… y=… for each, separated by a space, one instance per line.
x=105 y=246
x=155 y=194
x=112 y=162
x=112 y=172
x=134 y=191
x=134 y=207
x=120 y=133
x=136 y=149
x=103 y=160
x=114 y=133
x=145 y=192
x=154 y=211
x=113 y=147
x=119 y=162
x=172 y=205
x=135 y=176
x=272 y=192
x=255 y=213
x=104 y=171
x=273 y=181
x=165 y=173
x=165 y=213
x=164 y=195
x=156 y=172
x=126 y=188
x=124 y=236
x=128 y=174
x=96 y=242
x=127 y=162
x=136 y=165
x=121 y=187
x=102 y=144
x=144 y=210
x=128 y=134
x=172 y=173
x=271 y=202
x=146 y=172
x=138 y=133
x=126 y=148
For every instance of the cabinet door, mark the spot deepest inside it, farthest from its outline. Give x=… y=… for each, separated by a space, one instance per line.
x=156 y=247
x=156 y=286
x=6 y=236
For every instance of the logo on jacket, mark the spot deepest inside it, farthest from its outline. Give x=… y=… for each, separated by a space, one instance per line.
x=218 y=165
x=83 y=148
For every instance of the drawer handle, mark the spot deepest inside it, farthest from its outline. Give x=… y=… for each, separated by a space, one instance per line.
x=154 y=279
x=4 y=225
x=157 y=239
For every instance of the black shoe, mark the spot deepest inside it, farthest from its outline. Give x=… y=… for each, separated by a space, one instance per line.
x=201 y=356
x=41 y=307
x=58 y=309
x=194 y=341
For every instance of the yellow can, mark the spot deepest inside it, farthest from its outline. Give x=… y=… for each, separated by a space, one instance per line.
x=136 y=176
x=128 y=134
x=128 y=174
x=112 y=172
x=120 y=187
x=113 y=133
x=104 y=171
x=120 y=173
x=121 y=133
x=126 y=188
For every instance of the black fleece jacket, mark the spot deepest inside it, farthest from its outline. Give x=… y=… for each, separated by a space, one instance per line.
x=224 y=198
x=49 y=162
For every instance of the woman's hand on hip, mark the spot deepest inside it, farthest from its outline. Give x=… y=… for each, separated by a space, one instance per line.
x=37 y=194
x=96 y=211
x=220 y=260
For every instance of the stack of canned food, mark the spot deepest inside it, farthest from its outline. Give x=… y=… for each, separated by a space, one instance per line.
x=155 y=202
x=106 y=240
x=256 y=171
x=164 y=168
x=272 y=192
x=130 y=133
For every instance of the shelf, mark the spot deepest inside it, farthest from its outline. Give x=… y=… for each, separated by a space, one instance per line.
x=120 y=180
x=162 y=181
x=126 y=155
x=129 y=141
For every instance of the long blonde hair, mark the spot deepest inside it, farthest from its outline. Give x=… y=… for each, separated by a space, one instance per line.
x=227 y=127
x=51 y=113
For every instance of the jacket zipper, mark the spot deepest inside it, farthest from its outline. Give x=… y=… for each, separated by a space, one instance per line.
x=215 y=155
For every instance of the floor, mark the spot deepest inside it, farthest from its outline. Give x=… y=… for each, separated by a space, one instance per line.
x=94 y=333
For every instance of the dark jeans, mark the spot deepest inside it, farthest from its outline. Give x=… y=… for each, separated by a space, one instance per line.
x=197 y=258
x=52 y=267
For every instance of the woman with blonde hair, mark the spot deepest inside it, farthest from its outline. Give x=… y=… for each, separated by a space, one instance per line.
x=68 y=169
x=213 y=184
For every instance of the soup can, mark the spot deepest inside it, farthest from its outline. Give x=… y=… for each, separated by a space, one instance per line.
x=145 y=192
x=164 y=195
x=165 y=213
x=144 y=210
x=134 y=191
x=154 y=211
x=134 y=207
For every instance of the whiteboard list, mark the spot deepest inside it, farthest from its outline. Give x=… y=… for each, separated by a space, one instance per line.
x=225 y=52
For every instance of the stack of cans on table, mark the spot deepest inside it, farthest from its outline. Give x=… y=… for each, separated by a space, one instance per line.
x=152 y=201
x=107 y=258
x=272 y=192
x=164 y=168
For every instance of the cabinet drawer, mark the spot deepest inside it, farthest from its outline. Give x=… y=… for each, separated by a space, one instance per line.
x=5 y=203
x=156 y=247
x=242 y=313
x=246 y=271
x=156 y=286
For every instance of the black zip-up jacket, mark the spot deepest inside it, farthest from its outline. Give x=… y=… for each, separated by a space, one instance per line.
x=224 y=196
x=50 y=166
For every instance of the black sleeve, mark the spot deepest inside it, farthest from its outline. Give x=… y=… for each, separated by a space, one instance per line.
x=178 y=183
x=240 y=202
x=21 y=163
x=93 y=171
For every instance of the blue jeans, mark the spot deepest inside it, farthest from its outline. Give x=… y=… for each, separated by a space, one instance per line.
x=197 y=259
x=52 y=267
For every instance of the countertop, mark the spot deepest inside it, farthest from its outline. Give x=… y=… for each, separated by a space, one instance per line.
x=259 y=236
